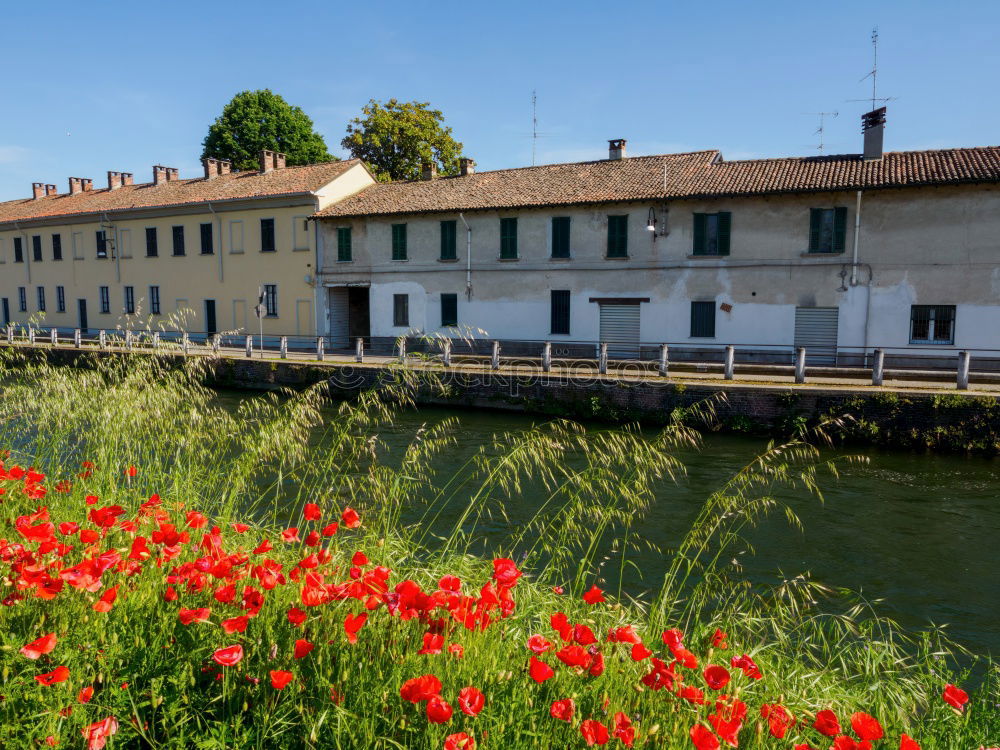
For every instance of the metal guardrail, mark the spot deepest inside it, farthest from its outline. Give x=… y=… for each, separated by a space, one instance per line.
x=652 y=358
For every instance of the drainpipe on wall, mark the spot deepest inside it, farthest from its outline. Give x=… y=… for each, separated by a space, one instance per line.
x=317 y=287
x=218 y=220
x=468 y=257
x=857 y=234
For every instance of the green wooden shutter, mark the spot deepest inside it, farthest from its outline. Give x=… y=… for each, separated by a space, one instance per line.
x=702 y=319
x=344 y=250
x=725 y=225
x=699 y=234
x=839 y=228
x=617 y=236
x=399 y=241
x=508 y=238
x=560 y=237
x=815 y=220
x=449 y=251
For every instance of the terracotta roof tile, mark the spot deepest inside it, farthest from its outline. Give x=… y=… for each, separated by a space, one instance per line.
x=690 y=175
x=237 y=185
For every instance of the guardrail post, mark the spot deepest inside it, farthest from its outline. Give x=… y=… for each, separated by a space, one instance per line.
x=359 y=350
x=963 y=370
x=10 y=334
x=54 y=337
x=185 y=343
x=402 y=348
x=128 y=340
x=446 y=353
x=602 y=359
x=547 y=356
x=800 y=365
x=102 y=338
x=495 y=356
x=730 y=362
x=216 y=341
x=284 y=347
x=248 y=347
x=31 y=335
x=319 y=349
x=878 y=367
x=156 y=339
x=77 y=338
x=664 y=364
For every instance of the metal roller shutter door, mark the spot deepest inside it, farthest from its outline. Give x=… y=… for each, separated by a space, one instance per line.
x=620 y=330
x=816 y=330
x=338 y=317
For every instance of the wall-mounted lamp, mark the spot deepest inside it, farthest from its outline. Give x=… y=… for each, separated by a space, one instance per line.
x=657 y=225
x=651 y=220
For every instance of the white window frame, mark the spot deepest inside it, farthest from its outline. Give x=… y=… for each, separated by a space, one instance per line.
x=236 y=236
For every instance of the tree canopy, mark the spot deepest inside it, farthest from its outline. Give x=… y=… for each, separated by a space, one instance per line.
x=256 y=120
x=395 y=138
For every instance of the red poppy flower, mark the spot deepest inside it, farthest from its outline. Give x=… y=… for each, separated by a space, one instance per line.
x=594 y=732
x=505 y=572
x=624 y=730
x=350 y=518
x=280 y=678
x=826 y=723
x=438 y=710
x=107 y=599
x=640 y=652
x=955 y=697
x=747 y=665
x=352 y=624
x=85 y=694
x=843 y=742
x=187 y=616
x=908 y=743
x=330 y=529
x=573 y=656
x=558 y=589
x=624 y=634
x=302 y=647
x=97 y=733
x=673 y=639
x=719 y=639
x=726 y=726
x=539 y=644
x=716 y=677
x=560 y=623
x=433 y=643
x=420 y=689
x=685 y=658
x=866 y=727
x=59 y=674
x=703 y=738
x=457 y=650
x=583 y=635
x=359 y=558
x=296 y=616
x=229 y=656
x=290 y=534
x=692 y=695
x=471 y=700
x=539 y=670
x=597 y=666
x=778 y=718
x=235 y=624
x=562 y=709
x=240 y=528
x=459 y=741
x=311 y=512
x=39 y=646
x=131 y=471
x=263 y=547
x=594 y=595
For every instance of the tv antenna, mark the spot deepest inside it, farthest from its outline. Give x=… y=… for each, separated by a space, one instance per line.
x=535 y=135
x=821 y=130
x=873 y=74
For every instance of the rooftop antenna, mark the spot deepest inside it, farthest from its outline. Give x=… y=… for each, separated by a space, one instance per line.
x=821 y=130
x=873 y=74
x=534 y=125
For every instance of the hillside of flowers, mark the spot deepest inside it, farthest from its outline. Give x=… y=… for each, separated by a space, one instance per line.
x=151 y=601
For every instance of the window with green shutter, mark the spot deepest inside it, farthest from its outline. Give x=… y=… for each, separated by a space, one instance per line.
x=560 y=236
x=344 y=250
x=449 y=310
x=508 y=239
x=399 y=241
x=618 y=236
x=711 y=233
x=560 y=312
x=827 y=230
x=449 y=231
x=703 y=320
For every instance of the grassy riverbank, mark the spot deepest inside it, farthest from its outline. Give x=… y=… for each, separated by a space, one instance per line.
x=147 y=540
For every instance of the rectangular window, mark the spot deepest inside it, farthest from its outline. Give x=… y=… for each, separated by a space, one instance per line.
x=449 y=310
x=154 y=300
x=130 y=300
x=57 y=247
x=207 y=247
x=401 y=310
x=271 y=300
x=300 y=232
x=36 y=248
x=151 y=247
x=449 y=232
x=102 y=244
x=236 y=236
x=267 y=236
x=560 y=311
x=399 y=241
x=124 y=243
x=178 y=237
x=61 y=299
x=508 y=239
x=711 y=233
x=105 y=300
x=344 y=250
x=827 y=229
x=932 y=324
x=41 y=299
x=703 y=320
x=560 y=236
x=22 y=299
x=77 y=240
x=18 y=251
x=618 y=236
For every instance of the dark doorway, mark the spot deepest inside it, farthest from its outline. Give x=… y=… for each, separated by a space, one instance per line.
x=210 y=316
x=6 y=311
x=358 y=321
x=81 y=306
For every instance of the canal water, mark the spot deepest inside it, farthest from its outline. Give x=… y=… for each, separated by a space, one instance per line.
x=920 y=532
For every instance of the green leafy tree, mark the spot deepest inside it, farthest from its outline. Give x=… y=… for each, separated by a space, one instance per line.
x=258 y=120
x=395 y=138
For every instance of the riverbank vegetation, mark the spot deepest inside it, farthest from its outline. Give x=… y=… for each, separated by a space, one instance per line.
x=175 y=574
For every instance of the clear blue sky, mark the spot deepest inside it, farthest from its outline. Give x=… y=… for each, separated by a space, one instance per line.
x=89 y=87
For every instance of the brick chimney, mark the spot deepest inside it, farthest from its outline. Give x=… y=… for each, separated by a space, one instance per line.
x=87 y=184
x=127 y=179
x=279 y=160
x=467 y=166
x=75 y=185
x=51 y=190
x=173 y=174
x=211 y=167
x=225 y=166
x=266 y=161
x=428 y=170
x=616 y=149
x=114 y=180
x=159 y=175
x=37 y=190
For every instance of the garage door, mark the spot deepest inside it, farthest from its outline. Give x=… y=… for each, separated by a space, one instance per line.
x=337 y=308
x=816 y=330
x=620 y=330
